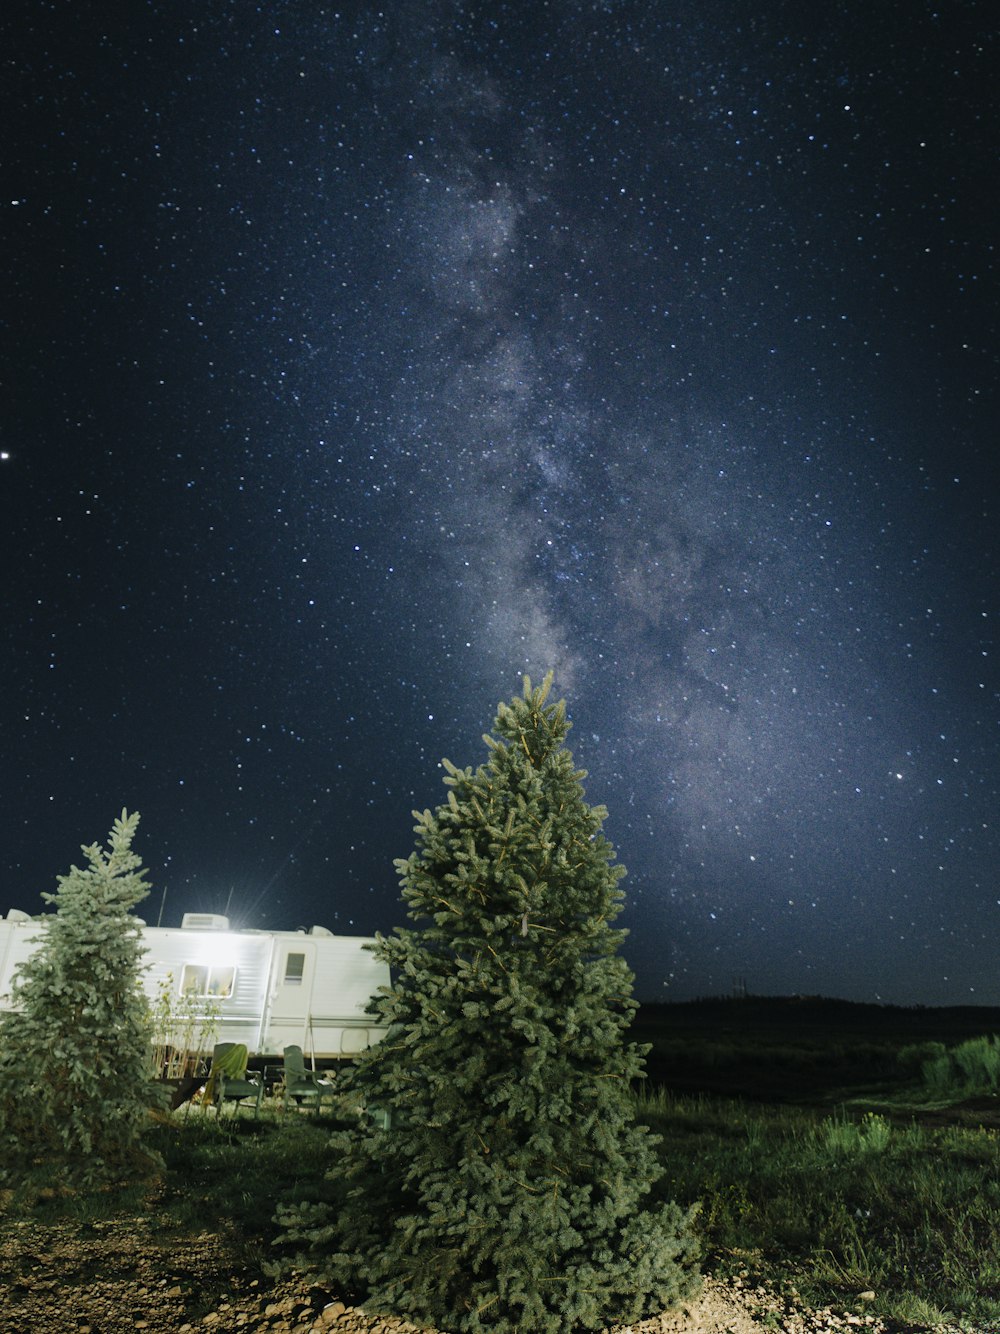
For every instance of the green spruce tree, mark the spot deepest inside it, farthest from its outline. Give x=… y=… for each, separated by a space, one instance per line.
x=506 y=1192
x=74 y=1054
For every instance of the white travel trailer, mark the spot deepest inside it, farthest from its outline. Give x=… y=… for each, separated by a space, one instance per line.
x=269 y=989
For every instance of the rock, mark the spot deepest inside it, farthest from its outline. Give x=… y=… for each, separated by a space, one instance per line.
x=125 y=1277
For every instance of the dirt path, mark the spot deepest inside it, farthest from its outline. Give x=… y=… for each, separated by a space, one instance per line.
x=123 y=1276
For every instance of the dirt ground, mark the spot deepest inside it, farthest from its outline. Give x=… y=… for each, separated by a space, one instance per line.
x=122 y=1276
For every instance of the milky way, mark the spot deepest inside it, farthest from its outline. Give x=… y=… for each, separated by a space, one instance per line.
x=366 y=359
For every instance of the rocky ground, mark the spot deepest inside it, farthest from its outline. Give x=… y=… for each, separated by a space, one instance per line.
x=123 y=1276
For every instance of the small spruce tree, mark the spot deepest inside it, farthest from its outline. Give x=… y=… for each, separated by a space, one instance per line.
x=74 y=1054
x=506 y=1192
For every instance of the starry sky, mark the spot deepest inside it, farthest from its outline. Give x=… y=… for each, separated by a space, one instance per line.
x=359 y=359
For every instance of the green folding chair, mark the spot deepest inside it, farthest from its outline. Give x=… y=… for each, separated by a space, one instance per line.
x=228 y=1080
x=302 y=1085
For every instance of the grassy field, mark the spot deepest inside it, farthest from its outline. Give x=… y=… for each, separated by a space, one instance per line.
x=839 y=1205
x=794 y=1050
x=840 y=1149
x=852 y=1156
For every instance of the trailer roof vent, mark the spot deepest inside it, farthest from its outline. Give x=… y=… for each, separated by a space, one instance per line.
x=204 y=921
x=319 y=931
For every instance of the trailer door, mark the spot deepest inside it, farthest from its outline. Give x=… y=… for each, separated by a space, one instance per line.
x=291 y=989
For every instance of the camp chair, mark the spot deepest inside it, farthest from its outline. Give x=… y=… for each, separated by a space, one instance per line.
x=304 y=1084
x=228 y=1080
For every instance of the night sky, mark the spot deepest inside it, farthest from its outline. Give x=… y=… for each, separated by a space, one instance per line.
x=359 y=360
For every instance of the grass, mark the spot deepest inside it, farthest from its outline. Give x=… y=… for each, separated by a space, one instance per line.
x=221 y=1174
x=830 y=1204
x=872 y=1188
x=837 y=1206
x=241 y=1167
x=797 y=1049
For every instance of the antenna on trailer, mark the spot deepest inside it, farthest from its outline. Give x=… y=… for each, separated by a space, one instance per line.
x=163 y=899
x=225 y=911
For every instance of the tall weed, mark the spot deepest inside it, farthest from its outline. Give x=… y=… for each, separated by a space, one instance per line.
x=869 y=1135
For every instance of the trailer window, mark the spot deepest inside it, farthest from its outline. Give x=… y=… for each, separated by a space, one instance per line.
x=221 y=982
x=295 y=967
x=199 y=980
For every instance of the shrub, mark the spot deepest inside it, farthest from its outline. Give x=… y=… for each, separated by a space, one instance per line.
x=939 y=1075
x=971 y=1067
x=913 y=1056
x=978 y=1059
